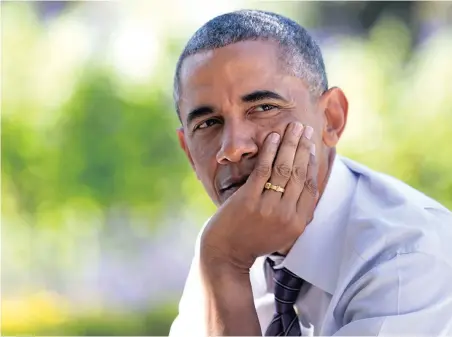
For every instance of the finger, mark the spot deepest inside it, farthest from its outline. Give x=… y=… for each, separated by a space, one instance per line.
x=282 y=168
x=310 y=194
x=263 y=168
x=299 y=173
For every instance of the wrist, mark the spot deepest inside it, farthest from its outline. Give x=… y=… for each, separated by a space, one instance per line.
x=223 y=259
x=220 y=267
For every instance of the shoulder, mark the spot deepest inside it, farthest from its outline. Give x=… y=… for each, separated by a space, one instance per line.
x=388 y=218
x=396 y=247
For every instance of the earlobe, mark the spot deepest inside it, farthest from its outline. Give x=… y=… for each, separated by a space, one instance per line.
x=184 y=147
x=335 y=110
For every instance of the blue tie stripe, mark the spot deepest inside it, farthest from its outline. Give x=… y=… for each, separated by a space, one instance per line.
x=287 y=288
x=284 y=286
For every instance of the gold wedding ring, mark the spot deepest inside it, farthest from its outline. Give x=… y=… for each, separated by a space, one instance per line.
x=270 y=186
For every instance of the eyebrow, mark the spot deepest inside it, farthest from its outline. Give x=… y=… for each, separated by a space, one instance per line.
x=199 y=112
x=262 y=95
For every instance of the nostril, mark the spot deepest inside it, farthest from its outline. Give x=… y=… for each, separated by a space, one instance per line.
x=249 y=155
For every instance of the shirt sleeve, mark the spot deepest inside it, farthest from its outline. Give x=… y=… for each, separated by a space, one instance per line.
x=190 y=319
x=409 y=294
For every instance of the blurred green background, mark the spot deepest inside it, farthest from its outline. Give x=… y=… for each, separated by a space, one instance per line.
x=100 y=209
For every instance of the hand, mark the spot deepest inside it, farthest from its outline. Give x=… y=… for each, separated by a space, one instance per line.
x=255 y=221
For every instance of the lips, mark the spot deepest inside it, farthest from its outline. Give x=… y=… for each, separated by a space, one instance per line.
x=233 y=184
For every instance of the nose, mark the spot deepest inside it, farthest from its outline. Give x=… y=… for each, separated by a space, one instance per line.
x=237 y=143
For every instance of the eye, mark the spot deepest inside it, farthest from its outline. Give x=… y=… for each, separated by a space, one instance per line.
x=207 y=123
x=264 y=107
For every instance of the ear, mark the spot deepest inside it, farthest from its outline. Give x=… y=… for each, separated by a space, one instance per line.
x=335 y=107
x=184 y=147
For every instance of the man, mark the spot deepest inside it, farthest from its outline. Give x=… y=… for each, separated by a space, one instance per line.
x=304 y=242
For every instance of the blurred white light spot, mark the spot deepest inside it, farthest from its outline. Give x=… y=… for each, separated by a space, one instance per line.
x=56 y=63
x=134 y=52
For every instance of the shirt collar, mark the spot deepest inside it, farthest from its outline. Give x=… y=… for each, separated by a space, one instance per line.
x=315 y=256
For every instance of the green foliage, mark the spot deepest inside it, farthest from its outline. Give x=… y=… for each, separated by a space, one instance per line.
x=106 y=144
x=400 y=114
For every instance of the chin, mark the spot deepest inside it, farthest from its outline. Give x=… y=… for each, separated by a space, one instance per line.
x=216 y=198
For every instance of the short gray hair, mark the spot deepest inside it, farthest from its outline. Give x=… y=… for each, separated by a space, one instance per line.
x=302 y=55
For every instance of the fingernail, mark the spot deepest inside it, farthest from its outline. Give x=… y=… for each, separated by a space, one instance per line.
x=312 y=149
x=308 y=132
x=274 y=137
x=297 y=128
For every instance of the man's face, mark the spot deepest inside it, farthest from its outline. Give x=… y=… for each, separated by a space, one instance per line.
x=231 y=98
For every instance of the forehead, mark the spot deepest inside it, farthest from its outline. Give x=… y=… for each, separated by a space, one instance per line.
x=235 y=60
x=231 y=71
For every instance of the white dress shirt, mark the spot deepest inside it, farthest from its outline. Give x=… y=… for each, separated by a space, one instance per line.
x=377 y=260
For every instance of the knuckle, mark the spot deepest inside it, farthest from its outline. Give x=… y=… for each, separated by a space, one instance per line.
x=283 y=170
x=285 y=217
x=305 y=145
x=311 y=186
x=299 y=174
x=263 y=169
x=265 y=212
x=291 y=143
x=248 y=204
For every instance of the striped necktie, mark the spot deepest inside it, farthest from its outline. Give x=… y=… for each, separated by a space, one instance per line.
x=287 y=287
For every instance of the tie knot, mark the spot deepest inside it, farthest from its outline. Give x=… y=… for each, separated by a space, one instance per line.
x=287 y=288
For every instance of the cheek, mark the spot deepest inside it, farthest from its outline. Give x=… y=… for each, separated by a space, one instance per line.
x=205 y=166
x=277 y=124
x=204 y=159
